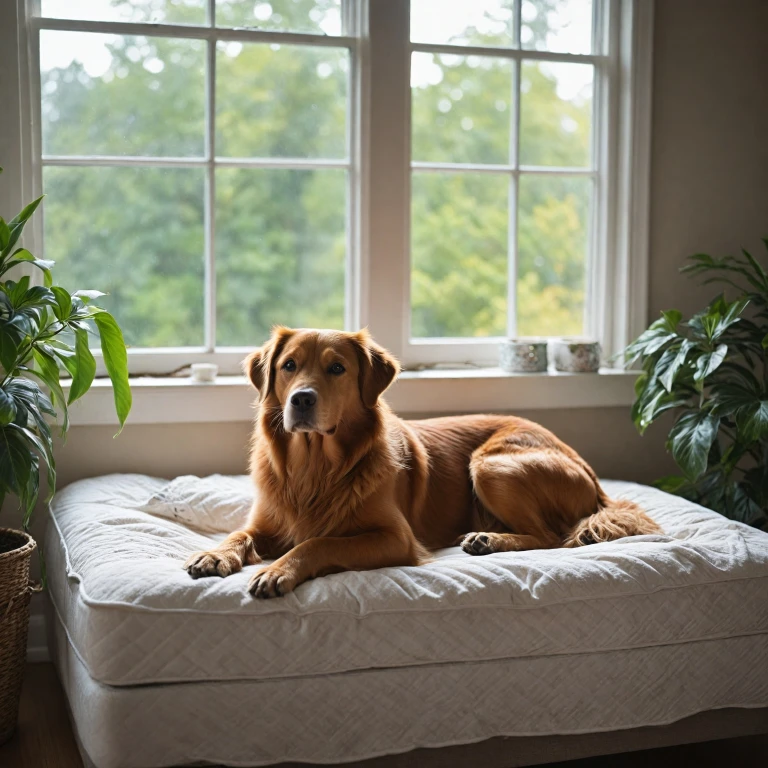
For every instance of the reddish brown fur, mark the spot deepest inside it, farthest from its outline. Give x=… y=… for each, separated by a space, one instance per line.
x=366 y=489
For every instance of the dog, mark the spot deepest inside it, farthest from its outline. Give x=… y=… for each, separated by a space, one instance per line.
x=344 y=484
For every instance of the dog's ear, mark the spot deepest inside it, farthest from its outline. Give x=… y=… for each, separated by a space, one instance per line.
x=378 y=369
x=259 y=366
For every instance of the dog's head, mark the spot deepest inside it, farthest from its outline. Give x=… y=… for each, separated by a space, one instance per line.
x=320 y=379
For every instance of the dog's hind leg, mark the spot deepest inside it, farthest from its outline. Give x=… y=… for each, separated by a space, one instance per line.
x=535 y=493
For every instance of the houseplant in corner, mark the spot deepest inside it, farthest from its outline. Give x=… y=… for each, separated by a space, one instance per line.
x=44 y=331
x=712 y=372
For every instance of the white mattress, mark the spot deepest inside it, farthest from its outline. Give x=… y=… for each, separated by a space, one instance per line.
x=134 y=617
x=357 y=715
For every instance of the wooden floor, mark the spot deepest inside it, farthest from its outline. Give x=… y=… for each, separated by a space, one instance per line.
x=44 y=739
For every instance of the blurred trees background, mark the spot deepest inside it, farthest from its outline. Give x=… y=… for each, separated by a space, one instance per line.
x=280 y=235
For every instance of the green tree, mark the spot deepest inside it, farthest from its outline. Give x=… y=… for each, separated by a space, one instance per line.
x=280 y=234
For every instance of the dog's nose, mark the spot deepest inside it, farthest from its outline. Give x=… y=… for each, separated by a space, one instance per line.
x=303 y=399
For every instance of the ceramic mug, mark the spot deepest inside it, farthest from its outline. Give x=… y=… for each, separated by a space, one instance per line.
x=204 y=373
x=576 y=355
x=524 y=355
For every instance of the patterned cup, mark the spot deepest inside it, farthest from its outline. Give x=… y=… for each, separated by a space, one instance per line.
x=575 y=355
x=524 y=355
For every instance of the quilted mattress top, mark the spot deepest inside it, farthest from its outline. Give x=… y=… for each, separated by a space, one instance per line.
x=134 y=616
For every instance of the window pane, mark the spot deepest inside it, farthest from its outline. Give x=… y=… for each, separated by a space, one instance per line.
x=113 y=95
x=136 y=233
x=322 y=17
x=461 y=107
x=154 y=11
x=553 y=226
x=555 y=114
x=564 y=26
x=459 y=254
x=463 y=22
x=280 y=101
x=280 y=251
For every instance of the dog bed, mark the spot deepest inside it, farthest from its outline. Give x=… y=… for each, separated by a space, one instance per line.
x=162 y=670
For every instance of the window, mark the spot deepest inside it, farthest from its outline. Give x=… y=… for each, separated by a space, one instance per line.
x=503 y=180
x=448 y=173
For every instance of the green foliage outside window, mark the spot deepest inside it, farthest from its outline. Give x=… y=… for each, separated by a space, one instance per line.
x=281 y=234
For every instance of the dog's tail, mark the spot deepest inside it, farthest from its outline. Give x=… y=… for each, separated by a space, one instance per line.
x=616 y=519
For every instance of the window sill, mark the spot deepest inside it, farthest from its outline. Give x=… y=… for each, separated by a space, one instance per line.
x=231 y=398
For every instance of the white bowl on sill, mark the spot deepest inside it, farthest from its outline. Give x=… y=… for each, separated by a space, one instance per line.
x=204 y=373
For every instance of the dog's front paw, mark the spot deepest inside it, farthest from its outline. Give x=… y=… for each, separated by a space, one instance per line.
x=221 y=564
x=273 y=581
x=479 y=544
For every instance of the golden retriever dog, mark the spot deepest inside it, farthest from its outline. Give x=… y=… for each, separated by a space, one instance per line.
x=344 y=484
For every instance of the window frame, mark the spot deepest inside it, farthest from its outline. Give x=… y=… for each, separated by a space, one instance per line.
x=379 y=167
x=616 y=290
x=163 y=360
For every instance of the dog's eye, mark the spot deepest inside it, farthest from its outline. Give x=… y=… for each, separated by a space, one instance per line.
x=289 y=365
x=336 y=369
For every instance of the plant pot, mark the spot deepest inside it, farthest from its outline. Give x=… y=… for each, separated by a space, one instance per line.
x=523 y=355
x=16 y=550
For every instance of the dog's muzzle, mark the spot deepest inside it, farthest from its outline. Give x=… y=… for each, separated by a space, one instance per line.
x=300 y=412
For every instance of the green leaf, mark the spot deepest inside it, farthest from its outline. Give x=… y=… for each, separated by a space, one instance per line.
x=5 y=234
x=87 y=296
x=764 y=342
x=668 y=377
x=11 y=339
x=18 y=290
x=37 y=295
x=730 y=316
x=730 y=396
x=67 y=359
x=15 y=463
x=85 y=367
x=13 y=238
x=26 y=212
x=29 y=392
x=672 y=318
x=743 y=508
x=661 y=402
x=24 y=255
x=649 y=342
x=44 y=448
x=32 y=491
x=48 y=372
x=63 y=307
x=758 y=270
x=709 y=362
x=672 y=483
x=7 y=408
x=41 y=264
x=116 y=361
x=690 y=440
x=752 y=420
x=640 y=383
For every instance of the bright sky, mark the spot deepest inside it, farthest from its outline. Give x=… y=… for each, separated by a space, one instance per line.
x=437 y=21
x=431 y=21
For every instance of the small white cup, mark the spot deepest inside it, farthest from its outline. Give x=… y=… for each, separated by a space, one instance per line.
x=576 y=355
x=204 y=373
x=523 y=355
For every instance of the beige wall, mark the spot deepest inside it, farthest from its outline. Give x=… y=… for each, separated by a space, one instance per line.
x=709 y=181
x=709 y=160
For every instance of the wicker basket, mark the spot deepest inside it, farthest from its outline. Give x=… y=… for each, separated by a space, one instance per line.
x=15 y=590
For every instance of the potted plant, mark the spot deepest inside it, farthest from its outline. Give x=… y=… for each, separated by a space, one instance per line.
x=44 y=331
x=712 y=373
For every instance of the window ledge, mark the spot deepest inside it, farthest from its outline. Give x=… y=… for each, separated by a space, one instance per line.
x=231 y=398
